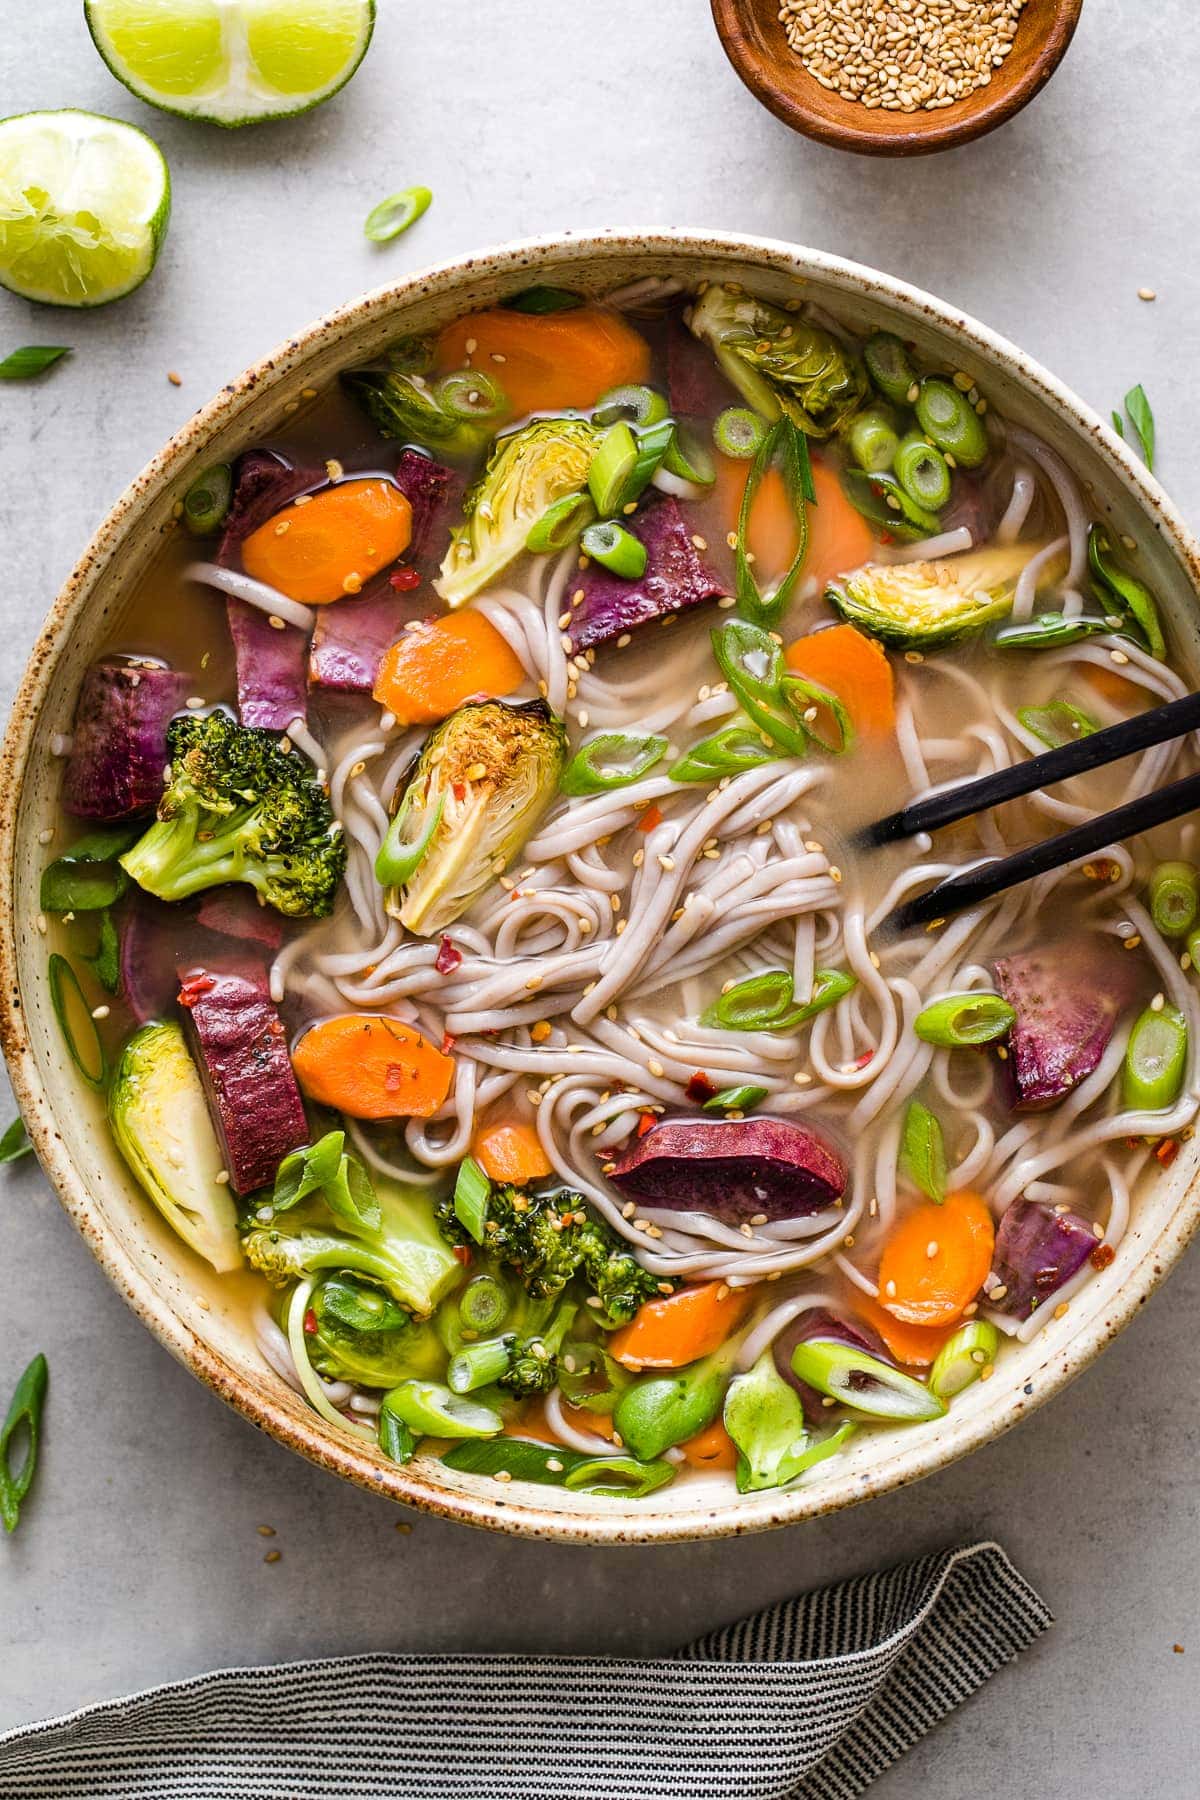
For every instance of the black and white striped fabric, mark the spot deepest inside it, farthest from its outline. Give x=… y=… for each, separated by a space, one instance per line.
x=809 y=1700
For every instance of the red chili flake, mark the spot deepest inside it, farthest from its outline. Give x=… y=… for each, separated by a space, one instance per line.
x=860 y=1062
x=1166 y=1152
x=1102 y=1255
x=393 y=1077
x=646 y=1123
x=448 y=1042
x=462 y=1254
x=404 y=579
x=194 y=987
x=460 y=790
x=650 y=818
x=448 y=957
x=310 y=1323
x=700 y=1088
x=887 y=537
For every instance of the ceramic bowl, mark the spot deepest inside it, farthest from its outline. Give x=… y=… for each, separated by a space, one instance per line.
x=202 y=1320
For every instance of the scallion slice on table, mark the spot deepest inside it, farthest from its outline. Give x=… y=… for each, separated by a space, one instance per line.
x=923 y=472
x=1155 y=1059
x=206 y=503
x=739 y=431
x=31 y=360
x=730 y=751
x=397 y=213
x=890 y=368
x=635 y=403
x=923 y=1151
x=615 y=548
x=1174 y=898
x=960 y=1021
x=24 y=1416
x=76 y=1023
x=610 y=761
x=950 y=422
x=872 y=440
x=15 y=1144
x=962 y=1359
x=561 y=524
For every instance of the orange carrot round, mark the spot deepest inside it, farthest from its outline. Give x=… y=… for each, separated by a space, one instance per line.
x=712 y=1448
x=511 y=1152
x=856 y=669
x=839 y=538
x=935 y=1261
x=372 y=1068
x=679 y=1328
x=547 y=361
x=327 y=545
x=916 y=1346
x=439 y=663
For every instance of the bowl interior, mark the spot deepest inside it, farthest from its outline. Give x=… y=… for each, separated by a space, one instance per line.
x=203 y=1319
x=757 y=46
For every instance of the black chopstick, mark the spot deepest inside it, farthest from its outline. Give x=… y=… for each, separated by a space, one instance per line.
x=991 y=878
x=1157 y=726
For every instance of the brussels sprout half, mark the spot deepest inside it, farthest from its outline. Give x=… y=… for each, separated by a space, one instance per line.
x=779 y=362
x=930 y=605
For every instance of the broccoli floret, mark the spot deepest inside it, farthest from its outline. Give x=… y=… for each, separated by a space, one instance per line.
x=238 y=807
x=549 y=1239
x=523 y=1359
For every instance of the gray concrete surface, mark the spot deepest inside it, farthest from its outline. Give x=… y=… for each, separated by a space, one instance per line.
x=138 y=1559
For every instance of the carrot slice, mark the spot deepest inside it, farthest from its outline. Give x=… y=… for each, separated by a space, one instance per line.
x=439 y=663
x=511 y=1152
x=546 y=361
x=531 y=1423
x=326 y=545
x=838 y=537
x=372 y=1068
x=856 y=669
x=936 y=1259
x=679 y=1328
x=1114 y=687
x=916 y=1346
x=712 y=1448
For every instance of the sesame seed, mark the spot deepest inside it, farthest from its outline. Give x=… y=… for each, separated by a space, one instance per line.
x=273 y=1556
x=276 y=623
x=502 y=1475
x=889 y=1288
x=1119 y=657
x=334 y=469
x=266 y=1531
x=100 y=1012
x=1147 y=293
x=931 y=1249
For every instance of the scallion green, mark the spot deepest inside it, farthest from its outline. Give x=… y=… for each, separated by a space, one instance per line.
x=611 y=467
x=688 y=458
x=960 y=1021
x=24 y=1418
x=472 y=1191
x=739 y=431
x=844 y=1373
x=430 y=1410
x=561 y=524
x=767 y=1002
x=950 y=422
x=736 y=1099
x=483 y=1305
x=1057 y=723
x=552 y=1465
x=472 y=395
x=615 y=549
x=890 y=367
x=872 y=440
x=1174 y=898
x=730 y=751
x=811 y=703
x=923 y=472
x=752 y=663
x=610 y=761
x=962 y=1359
x=87 y=877
x=889 y=507
x=635 y=403
x=478 y=1365
x=206 y=503
x=398 y=860
x=396 y=214
x=75 y=1021
x=1155 y=1059
x=786 y=445
x=15 y=1142
x=543 y=299
x=923 y=1151
x=1050 y=631
x=1133 y=595
x=31 y=360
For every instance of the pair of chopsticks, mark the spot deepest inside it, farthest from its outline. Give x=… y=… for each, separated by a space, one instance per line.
x=988 y=879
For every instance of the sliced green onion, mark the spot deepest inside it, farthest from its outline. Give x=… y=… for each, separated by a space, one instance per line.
x=739 y=432
x=396 y=1439
x=689 y=458
x=206 y=503
x=24 y=1416
x=872 y=440
x=472 y=1191
x=561 y=523
x=478 y=1365
x=624 y=1477
x=923 y=473
x=829 y=986
x=736 y=1099
x=398 y=861
x=923 y=1151
x=787 y=444
x=484 y=1305
x=15 y=1142
x=885 y=504
x=1050 y=631
x=396 y=214
x=1174 y=898
x=1057 y=724
x=730 y=751
x=890 y=368
x=958 y=1021
x=431 y=1410
x=766 y=1002
x=653 y=442
x=590 y=1378
x=752 y=663
x=87 y=876
x=67 y=997
x=612 y=760
x=470 y=394
x=1134 y=596
x=809 y=701
x=543 y=299
x=105 y=960
x=844 y=1373
x=1155 y=1060
x=962 y=1359
x=615 y=548
x=611 y=467
x=950 y=422
x=553 y=1466
x=635 y=403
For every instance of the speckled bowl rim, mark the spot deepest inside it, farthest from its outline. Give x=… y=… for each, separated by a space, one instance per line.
x=306 y=1433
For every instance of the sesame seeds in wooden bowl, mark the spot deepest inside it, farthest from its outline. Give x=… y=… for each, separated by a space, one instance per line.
x=895 y=77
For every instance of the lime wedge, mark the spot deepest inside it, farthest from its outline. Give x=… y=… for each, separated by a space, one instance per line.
x=84 y=203
x=232 y=62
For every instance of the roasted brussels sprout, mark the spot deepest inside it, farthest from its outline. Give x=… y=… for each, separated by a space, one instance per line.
x=404 y=406
x=527 y=472
x=929 y=605
x=365 y=1336
x=779 y=362
x=482 y=781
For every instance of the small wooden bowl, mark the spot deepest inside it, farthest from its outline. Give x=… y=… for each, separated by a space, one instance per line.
x=756 y=45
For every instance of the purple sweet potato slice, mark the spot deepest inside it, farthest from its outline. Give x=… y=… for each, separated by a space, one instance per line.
x=821 y=1324
x=435 y=493
x=697 y=388
x=240 y=1046
x=1037 y=1250
x=233 y=912
x=272 y=668
x=1067 y=1000
x=351 y=636
x=675 y=578
x=263 y=482
x=733 y=1169
x=119 y=744
x=149 y=933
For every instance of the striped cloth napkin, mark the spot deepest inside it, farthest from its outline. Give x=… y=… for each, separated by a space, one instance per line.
x=810 y=1700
